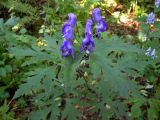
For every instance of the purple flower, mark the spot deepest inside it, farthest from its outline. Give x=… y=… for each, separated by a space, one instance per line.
x=150 y=18
x=88 y=43
x=101 y=25
x=67 y=48
x=88 y=29
x=67 y=28
x=68 y=32
x=148 y=51
x=96 y=15
x=68 y=36
x=153 y=54
x=71 y=19
x=157 y=2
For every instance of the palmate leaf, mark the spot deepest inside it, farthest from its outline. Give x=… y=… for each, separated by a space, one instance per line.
x=70 y=112
x=115 y=43
x=33 y=81
x=113 y=76
x=39 y=114
x=132 y=61
x=22 y=52
x=154 y=109
x=49 y=109
x=12 y=21
x=136 y=110
x=34 y=52
x=5 y=113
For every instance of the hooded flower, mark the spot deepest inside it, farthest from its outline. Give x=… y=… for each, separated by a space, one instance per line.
x=96 y=15
x=71 y=19
x=67 y=48
x=68 y=32
x=68 y=36
x=153 y=54
x=157 y=2
x=151 y=18
x=150 y=52
x=88 y=29
x=88 y=43
x=101 y=25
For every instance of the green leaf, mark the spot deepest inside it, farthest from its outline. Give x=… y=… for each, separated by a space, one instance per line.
x=154 y=109
x=5 y=113
x=12 y=21
x=22 y=52
x=39 y=114
x=136 y=110
x=33 y=81
x=116 y=80
x=115 y=43
x=70 y=112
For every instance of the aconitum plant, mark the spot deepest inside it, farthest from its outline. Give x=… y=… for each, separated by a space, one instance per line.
x=148 y=51
x=157 y=2
x=101 y=25
x=151 y=18
x=68 y=36
x=151 y=52
x=88 y=42
x=67 y=48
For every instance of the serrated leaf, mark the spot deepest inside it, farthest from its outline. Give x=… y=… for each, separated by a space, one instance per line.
x=20 y=53
x=113 y=75
x=154 y=109
x=136 y=110
x=115 y=43
x=12 y=21
x=70 y=112
x=39 y=114
x=33 y=81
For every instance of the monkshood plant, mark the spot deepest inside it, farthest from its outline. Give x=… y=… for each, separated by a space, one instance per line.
x=150 y=42
x=80 y=79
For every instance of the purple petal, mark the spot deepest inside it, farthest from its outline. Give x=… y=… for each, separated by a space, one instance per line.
x=151 y=18
x=91 y=46
x=97 y=34
x=68 y=32
x=67 y=48
x=88 y=29
x=101 y=26
x=148 y=51
x=96 y=15
x=71 y=19
x=157 y=2
x=153 y=54
x=87 y=44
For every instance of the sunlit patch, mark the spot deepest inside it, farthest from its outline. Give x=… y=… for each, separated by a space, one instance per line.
x=41 y=43
x=16 y=27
